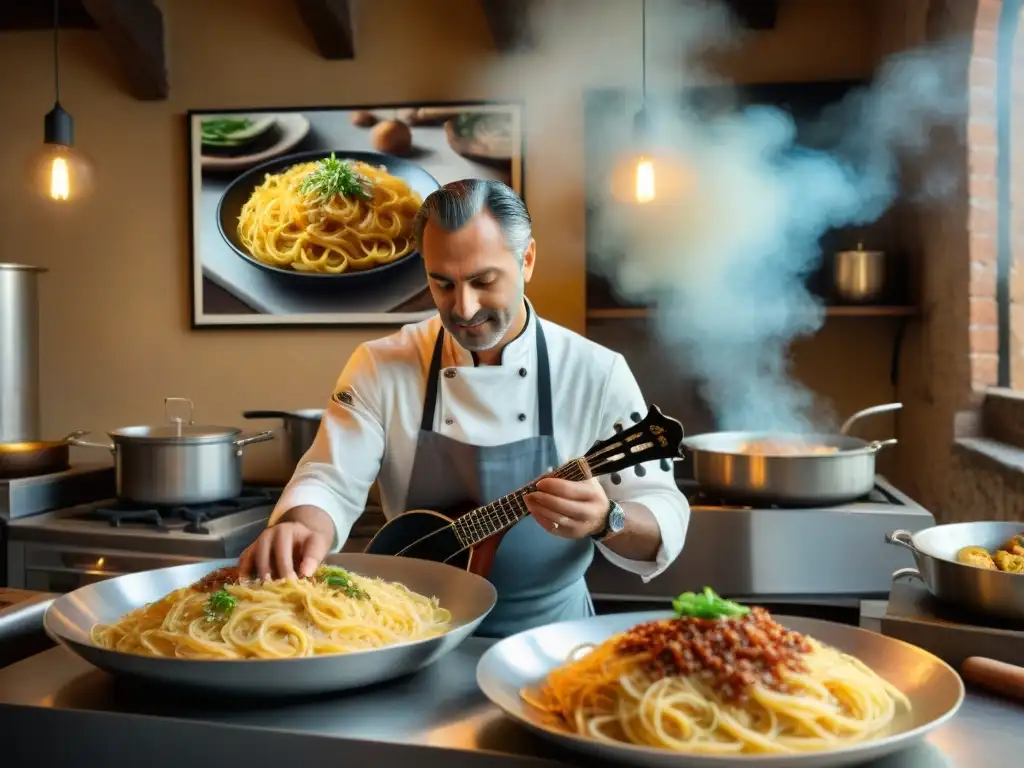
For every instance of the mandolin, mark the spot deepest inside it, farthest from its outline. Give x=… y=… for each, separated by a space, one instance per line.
x=469 y=538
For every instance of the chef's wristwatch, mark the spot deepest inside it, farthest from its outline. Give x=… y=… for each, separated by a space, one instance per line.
x=614 y=523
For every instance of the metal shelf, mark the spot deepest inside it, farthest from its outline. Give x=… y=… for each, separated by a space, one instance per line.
x=640 y=313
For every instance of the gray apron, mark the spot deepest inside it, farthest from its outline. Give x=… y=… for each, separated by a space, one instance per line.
x=538 y=576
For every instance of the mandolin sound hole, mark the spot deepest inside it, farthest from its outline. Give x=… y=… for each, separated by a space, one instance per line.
x=422 y=535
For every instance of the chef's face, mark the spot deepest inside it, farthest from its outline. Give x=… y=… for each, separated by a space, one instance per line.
x=475 y=280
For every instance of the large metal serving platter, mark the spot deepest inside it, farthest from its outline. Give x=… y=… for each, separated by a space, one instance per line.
x=934 y=688
x=70 y=618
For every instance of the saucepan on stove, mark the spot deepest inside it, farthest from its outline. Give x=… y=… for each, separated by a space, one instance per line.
x=30 y=459
x=300 y=428
x=177 y=463
x=978 y=567
x=788 y=468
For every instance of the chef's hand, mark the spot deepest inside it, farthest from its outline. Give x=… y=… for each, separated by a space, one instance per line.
x=568 y=508
x=296 y=544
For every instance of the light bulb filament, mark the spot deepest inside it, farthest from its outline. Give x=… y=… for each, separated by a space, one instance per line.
x=644 y=181
x=60 y=183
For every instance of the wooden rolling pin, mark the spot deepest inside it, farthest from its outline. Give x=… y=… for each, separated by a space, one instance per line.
x=997 y=676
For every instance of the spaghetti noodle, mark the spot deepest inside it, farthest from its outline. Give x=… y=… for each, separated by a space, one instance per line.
x=222 y=617
x=331 y=217
x=733 y=685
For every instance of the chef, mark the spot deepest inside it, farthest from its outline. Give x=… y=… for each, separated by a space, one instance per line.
x=484 y=383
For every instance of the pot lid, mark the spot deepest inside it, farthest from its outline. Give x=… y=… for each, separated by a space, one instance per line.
x=177 y=432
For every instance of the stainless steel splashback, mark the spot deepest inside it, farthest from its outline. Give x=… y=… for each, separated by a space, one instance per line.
x=20 y=416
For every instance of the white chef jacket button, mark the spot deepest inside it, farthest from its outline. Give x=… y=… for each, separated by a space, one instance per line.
x=449 y=421
x=522 y=372
x=522 y=417
x=449 y=373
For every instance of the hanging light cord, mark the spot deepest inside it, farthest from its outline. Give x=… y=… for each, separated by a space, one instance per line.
x=643 y=49
x=56 y=51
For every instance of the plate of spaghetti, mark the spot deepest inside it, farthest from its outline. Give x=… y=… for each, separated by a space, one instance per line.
x=319 y=215
x=715 y=683
x=360 y=619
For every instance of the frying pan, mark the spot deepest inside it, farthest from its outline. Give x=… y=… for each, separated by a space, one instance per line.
x=35 y=458
x=71 y=617
x=720 y=464
x=238 y=192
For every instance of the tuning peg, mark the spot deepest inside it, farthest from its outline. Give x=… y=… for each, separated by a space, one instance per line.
x=666 y=465
x=616 y=478
x=640 y=470
x=635 y=416
x=617 y=426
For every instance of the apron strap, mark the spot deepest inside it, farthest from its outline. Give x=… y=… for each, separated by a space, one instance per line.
x=430 y=398
x=546 y=417
x=546 y=420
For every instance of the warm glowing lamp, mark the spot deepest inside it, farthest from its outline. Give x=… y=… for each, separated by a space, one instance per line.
x=644 y=183
x=58 y=171
x=641 y=186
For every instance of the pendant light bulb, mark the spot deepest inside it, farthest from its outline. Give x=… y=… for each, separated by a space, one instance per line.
x=644 y=181
x=58 y=171
x=643 y=187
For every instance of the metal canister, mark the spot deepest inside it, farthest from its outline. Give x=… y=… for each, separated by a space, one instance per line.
x=20 y=415
x=860 y=275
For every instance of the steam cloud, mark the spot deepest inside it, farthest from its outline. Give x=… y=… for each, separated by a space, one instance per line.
x=723 y=256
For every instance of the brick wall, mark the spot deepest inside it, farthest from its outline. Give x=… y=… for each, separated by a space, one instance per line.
x=1017 y=214
x=982 y=153
x=982 y=150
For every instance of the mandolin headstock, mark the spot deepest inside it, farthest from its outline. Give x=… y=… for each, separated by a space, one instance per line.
x=655 y=437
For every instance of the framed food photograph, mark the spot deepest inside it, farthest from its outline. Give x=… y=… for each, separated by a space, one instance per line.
x=304 y=217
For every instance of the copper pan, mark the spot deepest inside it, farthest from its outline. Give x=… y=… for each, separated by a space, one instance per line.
x=35 y=458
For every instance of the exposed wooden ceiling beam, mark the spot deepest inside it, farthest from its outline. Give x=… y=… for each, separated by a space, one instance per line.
x=509 y=22
x=25 y=15
x=135 y=30
x=330 y=23
x=755 y=14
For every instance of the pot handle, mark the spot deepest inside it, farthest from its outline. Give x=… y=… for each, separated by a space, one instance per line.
x=75 y=439
x=872 y=411
x=876 y=445
x=259 y=437
x=178 y=419
x=910 y=573
x=265 y=414
x=901 y=538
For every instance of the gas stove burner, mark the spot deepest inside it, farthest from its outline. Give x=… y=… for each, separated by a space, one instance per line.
x=156 y=517
x=708 y=499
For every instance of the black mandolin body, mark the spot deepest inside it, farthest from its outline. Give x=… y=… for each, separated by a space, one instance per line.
x=423 y=535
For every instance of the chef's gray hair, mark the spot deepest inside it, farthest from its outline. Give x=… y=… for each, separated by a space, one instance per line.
x=454 y=204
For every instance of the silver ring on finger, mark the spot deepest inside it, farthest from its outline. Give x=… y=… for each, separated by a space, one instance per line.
x=554 y=526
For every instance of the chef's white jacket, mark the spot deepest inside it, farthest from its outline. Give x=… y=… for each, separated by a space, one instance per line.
x=371 y=433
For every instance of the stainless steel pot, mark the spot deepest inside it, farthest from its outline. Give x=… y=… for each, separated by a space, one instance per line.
x=300 y=428
x=721 y=465
x=860 y=275
x=19 y=353
x=179 y=462
x=976 y=590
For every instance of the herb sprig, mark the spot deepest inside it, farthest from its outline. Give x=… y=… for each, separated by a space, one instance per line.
x=707 y=605
x=219 y=605
x=331 y=177
x=340 y=580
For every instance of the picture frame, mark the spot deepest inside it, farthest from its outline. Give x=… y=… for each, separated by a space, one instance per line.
x=230 y=153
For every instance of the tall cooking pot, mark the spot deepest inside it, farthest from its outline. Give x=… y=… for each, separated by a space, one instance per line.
x=789 y=469
x=177 y=463
x=19 y=353
x=300 y=428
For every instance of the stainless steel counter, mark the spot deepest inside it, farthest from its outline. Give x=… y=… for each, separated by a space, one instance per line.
x=21 y=624
x=437 y=718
